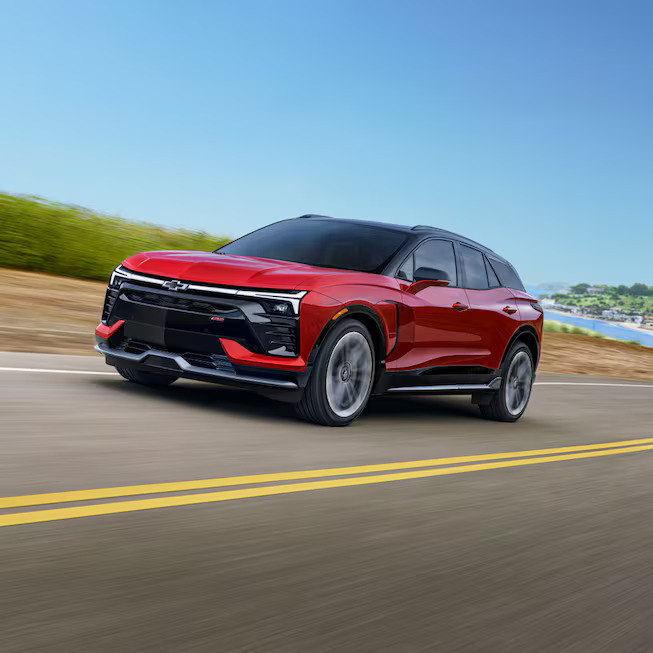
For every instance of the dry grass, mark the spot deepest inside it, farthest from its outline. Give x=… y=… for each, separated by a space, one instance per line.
x=43 y=313
x=564 y=353
x=48 y=314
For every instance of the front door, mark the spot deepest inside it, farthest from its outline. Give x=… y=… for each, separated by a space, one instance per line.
x=441 y=336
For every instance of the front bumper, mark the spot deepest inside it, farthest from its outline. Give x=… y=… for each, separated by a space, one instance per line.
x=203 y=332
x=217 y=369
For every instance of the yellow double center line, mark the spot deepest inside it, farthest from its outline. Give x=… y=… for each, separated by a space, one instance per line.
x=364 y=475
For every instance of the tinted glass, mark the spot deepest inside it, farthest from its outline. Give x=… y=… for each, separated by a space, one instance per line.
x=507 y=275
x=491 y=276
x=324 y=243
x=405 y=272
x=439 y=256
x=474 y=268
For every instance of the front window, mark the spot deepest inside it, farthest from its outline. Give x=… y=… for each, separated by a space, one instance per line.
x=323 y=243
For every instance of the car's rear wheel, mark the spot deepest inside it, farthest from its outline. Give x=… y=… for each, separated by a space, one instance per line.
x=517 y=374
x=341 y=382
x=146 y=378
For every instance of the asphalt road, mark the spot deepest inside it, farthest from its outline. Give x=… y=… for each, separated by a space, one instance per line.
x=546 y=556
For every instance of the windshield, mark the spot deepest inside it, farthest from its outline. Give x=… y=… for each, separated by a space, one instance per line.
x=323 y=243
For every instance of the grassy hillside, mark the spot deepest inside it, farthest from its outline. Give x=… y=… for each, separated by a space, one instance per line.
x=39 y=235
x=626 y=302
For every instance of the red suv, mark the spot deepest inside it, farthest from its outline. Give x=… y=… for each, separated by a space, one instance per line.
x=325 y=312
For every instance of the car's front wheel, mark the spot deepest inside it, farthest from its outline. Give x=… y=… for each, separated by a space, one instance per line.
x=517 y=374
x=145 y=378
x=341 y=382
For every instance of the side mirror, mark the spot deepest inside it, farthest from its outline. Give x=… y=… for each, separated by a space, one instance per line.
x=416 y=286
x=430 y=274
x=426 y=278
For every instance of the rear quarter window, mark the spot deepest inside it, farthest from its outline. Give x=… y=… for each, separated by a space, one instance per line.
x=507 y=275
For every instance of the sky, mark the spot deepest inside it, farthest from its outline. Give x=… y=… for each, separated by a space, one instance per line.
x=523 y=124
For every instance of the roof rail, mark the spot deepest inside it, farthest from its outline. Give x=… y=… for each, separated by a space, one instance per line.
x=451 y=234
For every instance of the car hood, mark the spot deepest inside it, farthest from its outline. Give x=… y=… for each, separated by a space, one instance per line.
x=241 y=271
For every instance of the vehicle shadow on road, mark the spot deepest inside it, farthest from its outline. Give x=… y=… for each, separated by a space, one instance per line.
x=252 y=405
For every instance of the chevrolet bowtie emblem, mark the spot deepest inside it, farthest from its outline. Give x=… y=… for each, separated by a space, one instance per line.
x=176 y=285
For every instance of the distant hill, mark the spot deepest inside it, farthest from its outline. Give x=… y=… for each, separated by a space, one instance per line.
x=547 y=288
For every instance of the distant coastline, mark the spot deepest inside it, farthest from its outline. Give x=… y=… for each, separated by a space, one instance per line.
x=617 y=330
x=626 y=325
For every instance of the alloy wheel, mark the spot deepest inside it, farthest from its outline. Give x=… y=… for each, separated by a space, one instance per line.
x=349 y=374
x=519 y=382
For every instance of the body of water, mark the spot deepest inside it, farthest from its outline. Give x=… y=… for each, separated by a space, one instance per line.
x=606 y=328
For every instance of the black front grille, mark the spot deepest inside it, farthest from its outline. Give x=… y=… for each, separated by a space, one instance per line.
x=209 y=361
x=190 y=322
x=178 y=302
x=281 y=334
x=132 y=346
x=216 y=361
x=109 y=301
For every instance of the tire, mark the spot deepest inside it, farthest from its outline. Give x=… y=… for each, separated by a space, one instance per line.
x=146 y=378
x=343 y=375
x=517 y=374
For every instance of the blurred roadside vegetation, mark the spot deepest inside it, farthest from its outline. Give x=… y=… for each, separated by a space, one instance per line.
x=44 y=236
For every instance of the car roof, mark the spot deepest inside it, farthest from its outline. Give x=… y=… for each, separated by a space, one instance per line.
x=425 y=229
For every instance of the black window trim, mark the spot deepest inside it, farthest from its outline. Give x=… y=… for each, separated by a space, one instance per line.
x=424 y=241
x=489 y=264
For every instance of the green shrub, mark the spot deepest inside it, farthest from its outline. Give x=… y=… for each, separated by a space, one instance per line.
x=39 y=235
x=553 y=326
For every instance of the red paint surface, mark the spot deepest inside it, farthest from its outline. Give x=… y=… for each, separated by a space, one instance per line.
x=105 y=331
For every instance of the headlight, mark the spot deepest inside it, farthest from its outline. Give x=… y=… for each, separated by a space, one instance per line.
x=117 y=277
x=283 y=302
x=277 y=307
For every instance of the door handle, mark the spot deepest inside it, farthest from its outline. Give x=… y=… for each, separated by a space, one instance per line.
x=509 y=309
x=460 y=307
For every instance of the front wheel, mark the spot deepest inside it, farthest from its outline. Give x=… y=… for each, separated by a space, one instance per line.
x=341 y=382
x=509 y=402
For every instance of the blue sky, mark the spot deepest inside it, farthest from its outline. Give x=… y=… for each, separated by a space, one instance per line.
x=525 y=125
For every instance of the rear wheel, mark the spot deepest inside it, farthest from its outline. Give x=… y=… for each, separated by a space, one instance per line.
x=517 y=373
x=146 y=378
x=341 y=382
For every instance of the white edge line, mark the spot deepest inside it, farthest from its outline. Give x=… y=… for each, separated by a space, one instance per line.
x=609 y=385
x=33 y=369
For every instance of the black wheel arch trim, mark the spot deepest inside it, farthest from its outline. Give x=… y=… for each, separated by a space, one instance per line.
x=354 y=311
x=532 y=341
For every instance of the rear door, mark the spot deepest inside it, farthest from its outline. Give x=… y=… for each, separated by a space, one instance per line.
x=493 y=316
x=440 y=335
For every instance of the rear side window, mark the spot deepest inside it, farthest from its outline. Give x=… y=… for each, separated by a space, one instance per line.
x=473 y=263
x=507 y=275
